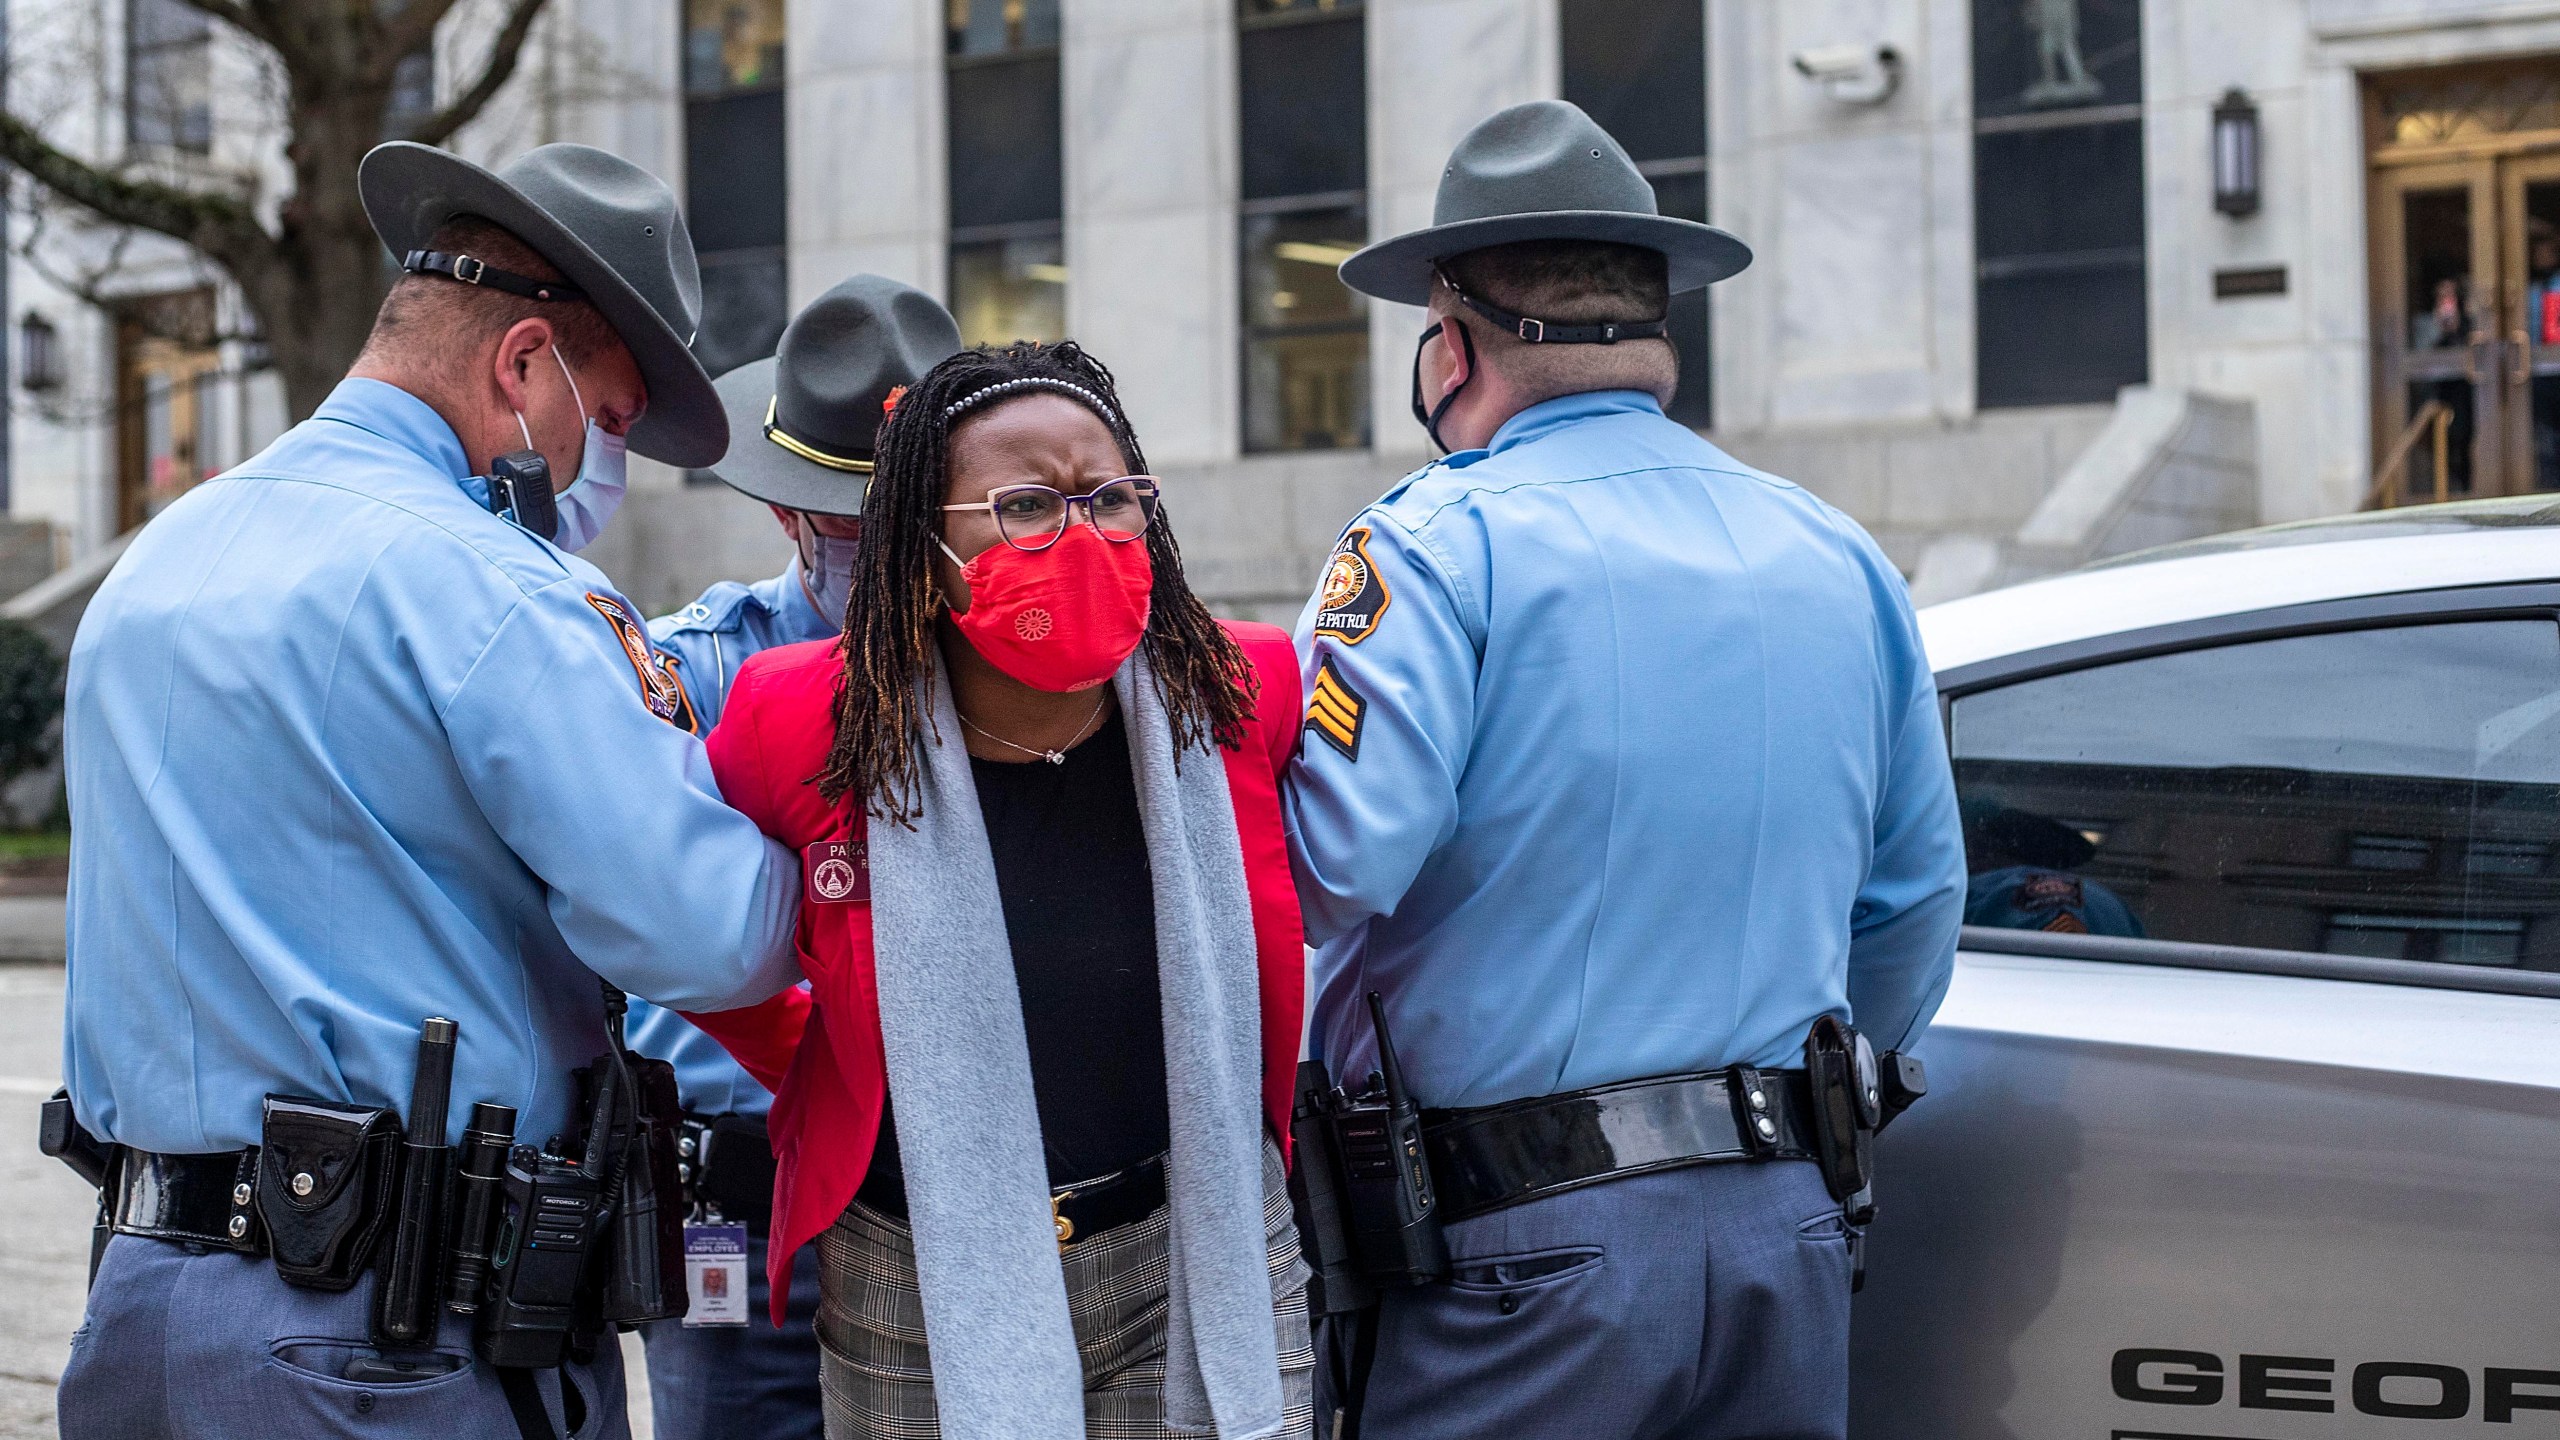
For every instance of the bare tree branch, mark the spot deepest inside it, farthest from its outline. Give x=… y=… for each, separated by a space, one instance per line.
x=504 y=52
x=279 y=27
x=88 y=286
x=220 y=226
x=233 y=13
x=414 y=26
x=311 y=281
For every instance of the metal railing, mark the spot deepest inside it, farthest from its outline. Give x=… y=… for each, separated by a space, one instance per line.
x=2391 y=478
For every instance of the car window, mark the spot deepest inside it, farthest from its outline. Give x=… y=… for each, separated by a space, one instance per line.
x=2388 y=792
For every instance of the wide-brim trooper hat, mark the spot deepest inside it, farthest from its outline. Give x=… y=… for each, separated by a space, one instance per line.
x=611 y=228
x=801 y=422
x=1543 y=170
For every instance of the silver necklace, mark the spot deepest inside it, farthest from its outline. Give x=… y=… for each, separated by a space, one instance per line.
x=1054 y=757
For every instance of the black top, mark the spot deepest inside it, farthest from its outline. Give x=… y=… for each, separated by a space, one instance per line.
x=1080 y=912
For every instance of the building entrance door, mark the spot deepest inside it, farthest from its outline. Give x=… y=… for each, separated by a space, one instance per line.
x=2531 y=207
x=164 y=388
x=2466 y=272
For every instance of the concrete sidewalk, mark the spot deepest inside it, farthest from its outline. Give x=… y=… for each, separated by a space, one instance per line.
x=45 y=1210
x=31 y=929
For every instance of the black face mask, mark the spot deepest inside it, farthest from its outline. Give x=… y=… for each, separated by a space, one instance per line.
x=1430 y=418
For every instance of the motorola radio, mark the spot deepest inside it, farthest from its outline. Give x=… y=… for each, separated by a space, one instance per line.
x=1395 y=1216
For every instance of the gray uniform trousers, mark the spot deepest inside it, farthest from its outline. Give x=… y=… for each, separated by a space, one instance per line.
x=1706 y=1303
x=212 y=1346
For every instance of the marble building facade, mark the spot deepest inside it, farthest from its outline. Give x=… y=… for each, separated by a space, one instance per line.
x=1851 y=357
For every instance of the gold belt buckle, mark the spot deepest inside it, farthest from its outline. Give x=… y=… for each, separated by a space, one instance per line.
x=1065 y=1227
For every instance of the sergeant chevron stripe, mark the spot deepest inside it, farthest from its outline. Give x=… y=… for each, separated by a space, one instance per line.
x=1335 y=710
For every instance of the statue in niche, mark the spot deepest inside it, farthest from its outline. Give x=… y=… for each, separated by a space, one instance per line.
x=2062 y=74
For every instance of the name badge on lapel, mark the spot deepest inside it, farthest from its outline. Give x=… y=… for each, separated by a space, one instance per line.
x=836 y=872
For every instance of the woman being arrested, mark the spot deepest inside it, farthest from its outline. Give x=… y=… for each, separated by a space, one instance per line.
x=1031 y=1105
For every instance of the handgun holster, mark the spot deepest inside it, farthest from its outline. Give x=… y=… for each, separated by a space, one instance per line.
x=1844 y=1117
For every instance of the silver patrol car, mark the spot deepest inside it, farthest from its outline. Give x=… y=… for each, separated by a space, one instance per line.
x=2245 y=1106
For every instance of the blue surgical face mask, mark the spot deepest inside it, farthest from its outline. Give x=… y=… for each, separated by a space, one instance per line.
x=603 y=474
x=826 y=570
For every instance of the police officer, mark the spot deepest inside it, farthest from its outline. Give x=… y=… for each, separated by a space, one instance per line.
x=1622 y=763
x=801 y=425
x=348 y=748
x=2022 y=879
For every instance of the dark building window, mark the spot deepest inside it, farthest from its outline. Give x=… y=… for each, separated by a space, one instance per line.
x=2060 y=311
x=413 y=92
x=736 y=181
x=1303 y=130
x=168 y=95
x=1640 y=68
x=1008 y=196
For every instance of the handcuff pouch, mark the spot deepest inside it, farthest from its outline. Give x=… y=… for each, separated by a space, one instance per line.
x=327 y=1177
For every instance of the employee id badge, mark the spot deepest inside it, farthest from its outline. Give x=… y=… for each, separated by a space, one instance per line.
x=715 y=1275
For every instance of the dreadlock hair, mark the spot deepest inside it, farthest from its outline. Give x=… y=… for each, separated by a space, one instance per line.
x=889 y=634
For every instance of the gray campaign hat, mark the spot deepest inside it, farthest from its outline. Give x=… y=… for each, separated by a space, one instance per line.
x=611 y=228
x=801 y=422
x=1543 y=170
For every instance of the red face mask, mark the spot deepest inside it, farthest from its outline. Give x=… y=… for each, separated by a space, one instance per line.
x=1059 y=619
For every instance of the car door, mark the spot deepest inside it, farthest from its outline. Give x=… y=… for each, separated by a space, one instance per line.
x=2245 y=1110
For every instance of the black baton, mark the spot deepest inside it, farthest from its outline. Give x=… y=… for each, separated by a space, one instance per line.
x=409 y=1278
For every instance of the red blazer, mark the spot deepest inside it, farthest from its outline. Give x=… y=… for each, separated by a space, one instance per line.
x=819 y=1049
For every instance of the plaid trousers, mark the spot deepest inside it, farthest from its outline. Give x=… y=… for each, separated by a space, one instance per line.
x=877 y=1379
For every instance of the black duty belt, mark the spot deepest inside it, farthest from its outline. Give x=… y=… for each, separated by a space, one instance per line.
x=1087 y=1207
x=1498 y=1155
x=727 y=1161
x=205 y=1200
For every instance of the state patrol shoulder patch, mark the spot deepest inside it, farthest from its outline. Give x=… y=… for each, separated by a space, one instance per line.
x=661 y=688
x=1353 y=598
x=1335 y=711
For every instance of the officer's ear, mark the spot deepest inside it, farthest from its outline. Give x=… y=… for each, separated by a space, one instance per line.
x=1461 y=356
x=512 y=366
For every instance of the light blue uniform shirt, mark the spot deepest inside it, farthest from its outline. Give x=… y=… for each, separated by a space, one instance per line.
x=345 y=751
x=1621 y=759
x=710 y=639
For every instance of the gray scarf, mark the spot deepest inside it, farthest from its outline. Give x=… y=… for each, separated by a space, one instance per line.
x=995 y=1305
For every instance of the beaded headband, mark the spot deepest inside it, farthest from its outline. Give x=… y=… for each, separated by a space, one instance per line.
x=1002 y=388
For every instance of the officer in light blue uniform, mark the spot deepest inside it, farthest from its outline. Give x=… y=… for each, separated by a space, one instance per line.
x=2022 y=867
x=348 y=748
x=801 y=425
x=1621 y=762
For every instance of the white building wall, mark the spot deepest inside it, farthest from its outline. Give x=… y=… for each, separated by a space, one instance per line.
x=60 y=450
x=1858 y=307
x=866 y=143
x=1845 y=355
x=2303 y=357
x=2298 y=356
x=1149 y=94
x=62 y=455
x=1436 y=67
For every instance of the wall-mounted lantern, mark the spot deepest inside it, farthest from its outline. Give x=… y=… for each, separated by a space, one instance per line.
x=39 y=353
x=2235 y=155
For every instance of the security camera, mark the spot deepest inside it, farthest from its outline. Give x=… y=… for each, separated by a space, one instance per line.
x=1852 y=74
